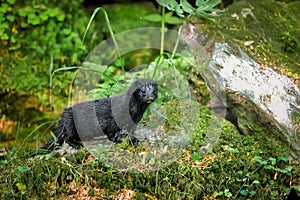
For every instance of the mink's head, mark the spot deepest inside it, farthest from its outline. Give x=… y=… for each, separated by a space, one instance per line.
x=144 y=90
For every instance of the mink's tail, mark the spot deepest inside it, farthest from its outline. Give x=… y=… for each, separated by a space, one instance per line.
x=62 y=132
x=52 y=144
x=65 y=132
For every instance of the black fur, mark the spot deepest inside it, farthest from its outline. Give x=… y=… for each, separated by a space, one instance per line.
x=113 y=116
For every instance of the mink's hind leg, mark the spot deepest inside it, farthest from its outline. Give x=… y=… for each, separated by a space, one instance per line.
x=65 y=132
x=75 y=142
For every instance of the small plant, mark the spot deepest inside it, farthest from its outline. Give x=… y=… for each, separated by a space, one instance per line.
x=289 y=43
x=110 y=32
x=251 y=181
x=184 y=10
x=271 y=164
x=226 y=193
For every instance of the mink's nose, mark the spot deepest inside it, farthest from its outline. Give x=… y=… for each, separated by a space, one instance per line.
x=150 y=99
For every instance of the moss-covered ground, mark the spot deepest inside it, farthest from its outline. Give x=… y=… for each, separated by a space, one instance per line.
x=238 y=167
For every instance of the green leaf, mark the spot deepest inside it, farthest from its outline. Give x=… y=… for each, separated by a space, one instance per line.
x=216 y=194
x=119 y=62
x=169 y=19
x=5 y=7
x=169 y=4
x=10 y=1
x=243 y=192
x=172 y=5
x=152 y=161
x=255 y=182
x=271 y=167
x=44 y=16
x=11 y=18
x=60 y=17
x=236 y=150
x=186 y=6
x=24 y=24
x=66 y=31
x=23 y=169
x=33 y=19
x=283 y=158
x=2 y=19
x=274 y=193
x=297 y=187
x=14 y=47
x=207 y=3
x=179 y=11
x=259 y=160
x=273 y=161
x=21 y=186
x=227 y=193
x=22 y=12
x=240 y=172
x=53 y=12
x=153 y=17
x=195 y=157
x=168 y=14
x=4 y=26
x=4 y=36
x=206 y=8
x=287 y=170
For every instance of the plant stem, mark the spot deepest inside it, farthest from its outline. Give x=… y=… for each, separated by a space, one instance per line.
x=157 y=64
x=176 y=45
x=114 y=41
x=162 y=30
x=50 y=78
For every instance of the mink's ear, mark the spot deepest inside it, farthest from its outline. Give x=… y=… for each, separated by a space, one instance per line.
x=134 y=87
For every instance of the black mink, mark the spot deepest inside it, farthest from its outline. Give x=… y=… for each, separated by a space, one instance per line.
x=113 y=116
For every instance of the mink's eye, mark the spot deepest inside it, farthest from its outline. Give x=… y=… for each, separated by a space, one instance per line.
x=143 y=92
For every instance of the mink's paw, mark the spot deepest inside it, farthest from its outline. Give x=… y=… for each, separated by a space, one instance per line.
x=117 y=141
x=134 y=141
x=117 y=137
x=75 y=144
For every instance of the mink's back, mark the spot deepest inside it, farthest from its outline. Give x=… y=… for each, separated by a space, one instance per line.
x=94 y=118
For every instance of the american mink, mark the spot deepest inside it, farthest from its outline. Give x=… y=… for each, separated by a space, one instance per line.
x=112 y=116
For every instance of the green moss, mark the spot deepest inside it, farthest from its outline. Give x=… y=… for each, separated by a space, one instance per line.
x=233 y=165
x=244 y=166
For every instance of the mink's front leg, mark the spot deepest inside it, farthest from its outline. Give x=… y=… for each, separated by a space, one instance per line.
x=121 y=134
x=134 y=141
x=118 y=135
